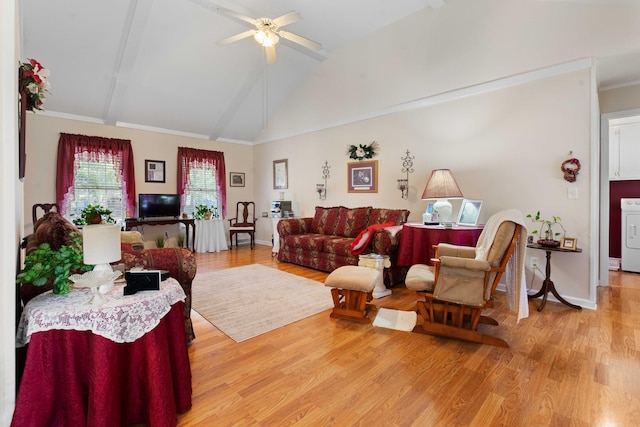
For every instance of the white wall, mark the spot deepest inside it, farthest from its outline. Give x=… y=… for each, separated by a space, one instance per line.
x=10 y=193
x=42 y=144
x=504 y=146
x=620 y=99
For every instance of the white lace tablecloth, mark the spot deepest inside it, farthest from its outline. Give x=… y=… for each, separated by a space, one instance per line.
x=119 y=318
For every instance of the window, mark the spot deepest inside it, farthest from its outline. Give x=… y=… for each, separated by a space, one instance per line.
x=201 y=180
x=201 y=189
x=95 y=170
x=97 y=182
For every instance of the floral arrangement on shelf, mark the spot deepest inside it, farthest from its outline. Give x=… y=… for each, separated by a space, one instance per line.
x=361 y=152
x=33 y=81
x=546 y=228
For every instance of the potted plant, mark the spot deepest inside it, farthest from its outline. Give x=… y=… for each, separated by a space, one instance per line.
x=201 y=211
x=180 y=240
x=45 y=265
x=546 y=229
x=160 y=241
x=94 y=214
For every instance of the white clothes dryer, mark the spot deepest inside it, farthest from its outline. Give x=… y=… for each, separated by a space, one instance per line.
x=630 y=260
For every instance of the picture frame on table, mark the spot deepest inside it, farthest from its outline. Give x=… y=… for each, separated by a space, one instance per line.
x=362 y=177
x=569 y=243
x=469 y=212
x=236 y=179
x=154 y=171
x=280 y=174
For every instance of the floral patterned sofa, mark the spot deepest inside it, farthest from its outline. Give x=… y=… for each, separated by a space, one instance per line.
x=54 y=229
x=325 y=241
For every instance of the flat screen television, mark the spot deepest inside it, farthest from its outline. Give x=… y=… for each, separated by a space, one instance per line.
x=158 y=205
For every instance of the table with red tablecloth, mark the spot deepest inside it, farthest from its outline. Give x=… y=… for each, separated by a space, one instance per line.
x=121 y=362
x=417 y=241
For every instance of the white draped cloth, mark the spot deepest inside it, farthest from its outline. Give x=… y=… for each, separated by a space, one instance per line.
x=516 y=284
x=119 y=318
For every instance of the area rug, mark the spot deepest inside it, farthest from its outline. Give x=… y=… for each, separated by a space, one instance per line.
x=396 y=319
x=244 y=302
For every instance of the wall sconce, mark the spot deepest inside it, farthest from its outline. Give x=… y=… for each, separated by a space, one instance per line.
x=321 y=189
x=407 y=167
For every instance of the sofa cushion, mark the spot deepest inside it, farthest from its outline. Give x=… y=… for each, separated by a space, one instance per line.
x=307 y=242
x=325 y=220
x=379 y=216
x=352 y=221
x=338 y=245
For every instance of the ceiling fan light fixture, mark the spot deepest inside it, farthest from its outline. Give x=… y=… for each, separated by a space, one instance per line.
x=266 y=38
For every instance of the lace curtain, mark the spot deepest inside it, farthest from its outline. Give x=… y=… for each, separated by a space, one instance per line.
x=96 y=149
x=193 y=157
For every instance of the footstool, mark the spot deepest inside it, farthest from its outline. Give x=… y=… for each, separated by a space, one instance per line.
x=352 y=288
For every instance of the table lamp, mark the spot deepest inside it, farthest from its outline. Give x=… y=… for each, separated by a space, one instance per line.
x=441 y=186
x=101 y=246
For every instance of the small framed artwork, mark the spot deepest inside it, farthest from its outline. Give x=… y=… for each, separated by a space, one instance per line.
x=569 y=243
x=362 y=177
x=469 y=212
x=280 y=174
x=154 y=171
x=236 y=179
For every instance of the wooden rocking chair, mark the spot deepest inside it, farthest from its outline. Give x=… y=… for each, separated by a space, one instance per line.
x=461 y=287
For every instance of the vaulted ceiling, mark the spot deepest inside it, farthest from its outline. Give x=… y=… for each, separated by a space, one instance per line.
x=155 y=64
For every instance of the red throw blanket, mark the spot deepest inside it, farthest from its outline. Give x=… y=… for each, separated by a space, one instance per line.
x=365 y=236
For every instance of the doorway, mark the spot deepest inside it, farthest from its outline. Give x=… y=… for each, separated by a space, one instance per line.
x=606 y=122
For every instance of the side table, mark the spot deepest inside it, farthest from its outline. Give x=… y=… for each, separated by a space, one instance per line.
x=547 y=285
x=417 y=241
x=379 y=262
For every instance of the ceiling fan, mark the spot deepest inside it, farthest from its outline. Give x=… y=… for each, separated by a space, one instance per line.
x=267 y=32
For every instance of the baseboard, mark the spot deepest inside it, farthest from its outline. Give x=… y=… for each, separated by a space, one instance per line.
x=577 y=301
x=614 y=264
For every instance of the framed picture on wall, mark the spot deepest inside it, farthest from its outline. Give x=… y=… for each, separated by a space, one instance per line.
x=280 y=174
x=362 y=177
x=236 y=179
x=154 y=171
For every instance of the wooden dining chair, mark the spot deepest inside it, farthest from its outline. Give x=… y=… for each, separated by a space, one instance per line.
x=243 y=222
x=45 y=207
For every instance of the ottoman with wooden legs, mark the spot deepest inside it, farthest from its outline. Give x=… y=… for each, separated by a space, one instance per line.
x=352 y=288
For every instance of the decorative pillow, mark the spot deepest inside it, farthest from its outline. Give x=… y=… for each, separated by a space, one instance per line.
x=325 y=220
x=352 y=221
x=53 y=229
x=398 y=216
x=363 y=239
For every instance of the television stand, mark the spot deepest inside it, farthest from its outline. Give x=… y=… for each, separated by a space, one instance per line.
x=134 y=223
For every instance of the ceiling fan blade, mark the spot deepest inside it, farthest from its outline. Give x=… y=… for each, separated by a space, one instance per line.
x=309 y=44
x=235 y=38
x=236 y=15
x=271 y=54
x=287 y=18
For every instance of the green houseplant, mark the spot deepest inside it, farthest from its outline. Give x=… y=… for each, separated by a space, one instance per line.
x=45 y=264
x=200 y=211
x=94 y=214
x=546 y=232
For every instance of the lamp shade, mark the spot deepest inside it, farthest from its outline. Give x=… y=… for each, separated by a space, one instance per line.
x=441 y=185
x=101 y=243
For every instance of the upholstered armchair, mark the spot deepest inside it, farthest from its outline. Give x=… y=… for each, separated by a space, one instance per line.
x=463 y=280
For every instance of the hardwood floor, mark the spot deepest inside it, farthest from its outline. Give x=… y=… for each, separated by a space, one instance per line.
x=565 y=367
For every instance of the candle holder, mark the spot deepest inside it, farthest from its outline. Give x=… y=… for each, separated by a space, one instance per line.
x=407 y=168
x=321 y=189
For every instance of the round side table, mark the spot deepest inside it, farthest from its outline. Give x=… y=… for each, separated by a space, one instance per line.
x=379 y=262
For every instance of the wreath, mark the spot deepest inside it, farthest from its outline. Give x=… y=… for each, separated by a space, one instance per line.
x=361 y=152
x=571 y=168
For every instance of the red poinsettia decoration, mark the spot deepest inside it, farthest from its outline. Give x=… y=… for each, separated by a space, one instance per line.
x=33 y=81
